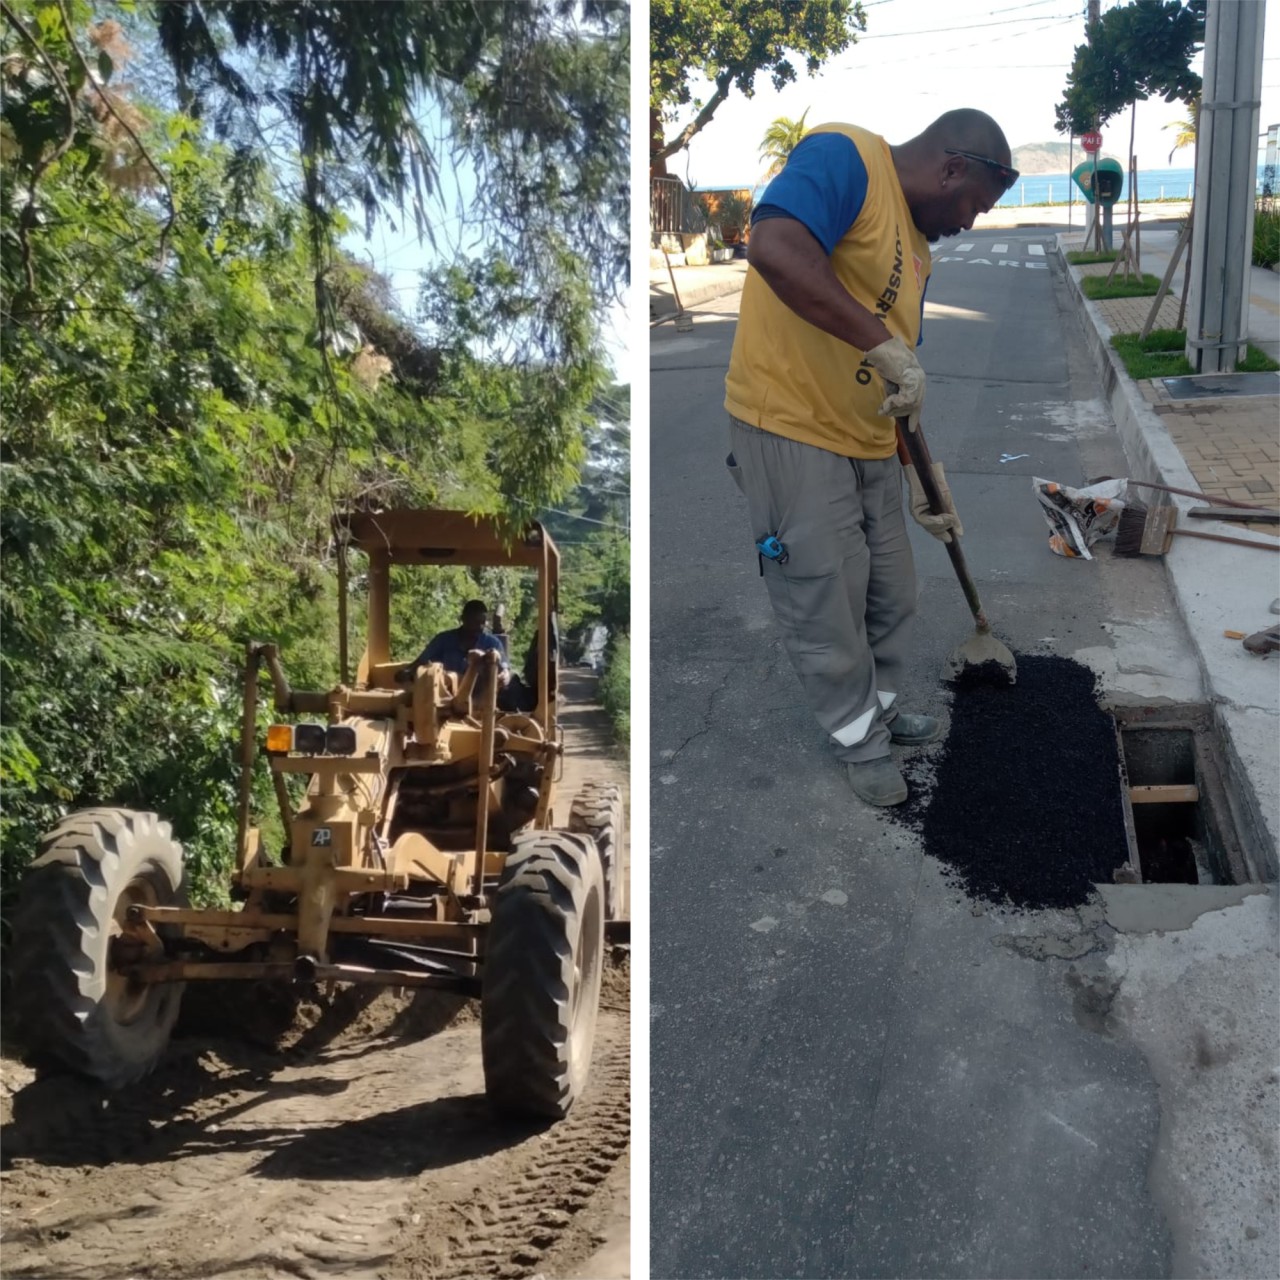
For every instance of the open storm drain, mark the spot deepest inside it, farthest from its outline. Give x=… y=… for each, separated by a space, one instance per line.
x=1180 y=821
x=1038 y=794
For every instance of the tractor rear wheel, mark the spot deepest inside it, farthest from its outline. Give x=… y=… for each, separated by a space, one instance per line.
x=541 y=983
x=71 y=1009
x=597 y=811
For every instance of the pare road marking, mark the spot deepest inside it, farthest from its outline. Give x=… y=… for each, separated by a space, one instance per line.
x=986 y=262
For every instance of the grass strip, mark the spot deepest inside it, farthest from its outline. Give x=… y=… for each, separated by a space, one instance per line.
x=1162 y=354
x=1099 y=290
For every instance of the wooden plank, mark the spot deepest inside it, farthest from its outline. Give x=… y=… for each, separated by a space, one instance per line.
x=1178 y=794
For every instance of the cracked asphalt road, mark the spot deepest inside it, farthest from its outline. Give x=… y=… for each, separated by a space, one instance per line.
x=855 y=1070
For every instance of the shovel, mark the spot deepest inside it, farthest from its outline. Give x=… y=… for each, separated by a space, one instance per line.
x=982 y=647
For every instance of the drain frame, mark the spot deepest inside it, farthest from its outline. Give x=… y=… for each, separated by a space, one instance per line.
x=1232 y=861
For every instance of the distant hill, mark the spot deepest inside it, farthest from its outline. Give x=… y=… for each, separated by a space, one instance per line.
x=1054 y=157
x=1045 y=157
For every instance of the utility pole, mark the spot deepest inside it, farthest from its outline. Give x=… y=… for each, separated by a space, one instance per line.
x=1093 y=230
x=1226 y=175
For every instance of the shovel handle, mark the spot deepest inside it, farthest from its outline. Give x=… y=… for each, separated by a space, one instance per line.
x=913 y=448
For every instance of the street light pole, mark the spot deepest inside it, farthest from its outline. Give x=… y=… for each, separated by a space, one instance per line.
x=1226 y=177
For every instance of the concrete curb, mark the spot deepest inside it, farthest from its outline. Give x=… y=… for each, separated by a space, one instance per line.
x=1240 y=688
x=662 y=304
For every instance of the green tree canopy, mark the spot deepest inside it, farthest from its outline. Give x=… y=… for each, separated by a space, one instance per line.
x=729 y=42
x=1134 y=51
x=180 y=422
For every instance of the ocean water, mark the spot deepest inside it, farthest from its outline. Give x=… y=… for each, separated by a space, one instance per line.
x=1051 y=188
x=1153 y=184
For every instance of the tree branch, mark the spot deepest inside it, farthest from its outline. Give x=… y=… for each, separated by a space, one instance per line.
x=699 y=122
x=90 y=78
x=24 y=225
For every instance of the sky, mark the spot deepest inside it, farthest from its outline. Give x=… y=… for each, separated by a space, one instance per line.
x=920 y=58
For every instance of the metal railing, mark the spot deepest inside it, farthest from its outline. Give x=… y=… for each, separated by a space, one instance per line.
x=668 y=206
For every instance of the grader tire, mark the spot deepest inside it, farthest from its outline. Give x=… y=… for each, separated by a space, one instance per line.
x=69 y=1009
x=597 y=811
x=540 y=990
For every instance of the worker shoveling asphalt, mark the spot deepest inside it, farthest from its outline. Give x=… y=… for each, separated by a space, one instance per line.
x=823 y=363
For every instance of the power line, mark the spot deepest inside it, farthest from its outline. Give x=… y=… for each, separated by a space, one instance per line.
x=970 y=26
x=1014 y=35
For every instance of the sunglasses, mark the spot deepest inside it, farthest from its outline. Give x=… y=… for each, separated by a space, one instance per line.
x=1008 y=175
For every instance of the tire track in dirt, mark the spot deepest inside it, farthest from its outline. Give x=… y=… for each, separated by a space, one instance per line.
x=510 y=1229
x=311 y=1170
x=365 y=1150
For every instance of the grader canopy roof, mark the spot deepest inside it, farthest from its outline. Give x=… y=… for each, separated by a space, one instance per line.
x=445 y=537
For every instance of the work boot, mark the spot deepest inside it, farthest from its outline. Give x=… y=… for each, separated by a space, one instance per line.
x=906 y=730
x=877 y=781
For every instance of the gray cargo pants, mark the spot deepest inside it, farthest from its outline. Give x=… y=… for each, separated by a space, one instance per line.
x=846 y=596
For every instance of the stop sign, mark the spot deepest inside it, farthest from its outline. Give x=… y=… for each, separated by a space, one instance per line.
x=1091 y=141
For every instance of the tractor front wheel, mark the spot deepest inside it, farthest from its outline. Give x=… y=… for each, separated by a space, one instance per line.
x=72 y=1008
x=541 y=983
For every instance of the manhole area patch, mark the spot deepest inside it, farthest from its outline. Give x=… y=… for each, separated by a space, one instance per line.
x=1024 y=808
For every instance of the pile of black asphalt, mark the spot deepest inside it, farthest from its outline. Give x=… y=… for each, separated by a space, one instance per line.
x=1022 y=801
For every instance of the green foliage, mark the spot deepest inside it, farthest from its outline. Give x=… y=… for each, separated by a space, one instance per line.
x=780 y=139
x=180 y=423
x=1134 y=51
x=1161 y=354
x=1100 y=289
x=729 y=42
x=1187 y=128
x=615 y=687
x=1080 y=258
x=1256 y=361
x=1266 y=229
x=731 y=212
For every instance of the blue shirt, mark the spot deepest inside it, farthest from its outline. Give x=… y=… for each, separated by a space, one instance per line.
x=450 y=649
x=823 y=186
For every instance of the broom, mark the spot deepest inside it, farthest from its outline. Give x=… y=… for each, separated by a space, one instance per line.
x=1143 y=532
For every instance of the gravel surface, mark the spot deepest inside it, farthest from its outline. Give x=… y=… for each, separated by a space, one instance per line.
x=1022 y=802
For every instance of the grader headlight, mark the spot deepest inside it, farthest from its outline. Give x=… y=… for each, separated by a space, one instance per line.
x=308 y=739
x=311 y=739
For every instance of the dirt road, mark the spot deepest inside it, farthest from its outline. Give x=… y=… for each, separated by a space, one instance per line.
x=358 y=1143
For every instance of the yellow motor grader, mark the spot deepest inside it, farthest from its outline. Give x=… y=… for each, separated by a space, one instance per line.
x=422 y=855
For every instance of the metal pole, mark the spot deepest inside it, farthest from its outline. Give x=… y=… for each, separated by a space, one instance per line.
x=1226 y=175
x=1071 y=168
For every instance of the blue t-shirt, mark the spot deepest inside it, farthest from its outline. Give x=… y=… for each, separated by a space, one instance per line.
x=450 y=649
x=823 y=186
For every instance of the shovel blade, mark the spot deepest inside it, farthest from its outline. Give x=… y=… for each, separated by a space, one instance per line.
x=977 y=652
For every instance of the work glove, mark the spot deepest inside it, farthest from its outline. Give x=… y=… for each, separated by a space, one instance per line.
x=904 y=380
x=939 y=526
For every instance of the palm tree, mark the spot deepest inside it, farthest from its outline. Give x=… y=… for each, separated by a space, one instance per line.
x=780 y=140
x=1186 y=127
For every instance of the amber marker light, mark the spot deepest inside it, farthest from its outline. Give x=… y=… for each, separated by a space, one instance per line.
x=280 y=738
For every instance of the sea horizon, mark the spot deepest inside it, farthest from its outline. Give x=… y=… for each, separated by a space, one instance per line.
x=1058 y=188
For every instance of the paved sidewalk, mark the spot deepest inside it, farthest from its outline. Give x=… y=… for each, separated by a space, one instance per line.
x=1227 y=446
x=696 y=284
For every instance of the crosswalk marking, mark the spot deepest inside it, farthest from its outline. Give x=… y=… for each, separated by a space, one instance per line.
x=1035 y=250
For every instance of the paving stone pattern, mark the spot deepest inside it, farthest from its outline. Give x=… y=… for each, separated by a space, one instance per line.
x=1231 y=445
